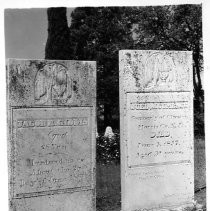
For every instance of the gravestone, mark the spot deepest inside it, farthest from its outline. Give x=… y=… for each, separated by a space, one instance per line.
x=108 y=132
x=51 y=135
x=156 y=120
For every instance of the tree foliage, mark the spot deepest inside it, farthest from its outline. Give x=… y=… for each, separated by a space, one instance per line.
x=98 y=34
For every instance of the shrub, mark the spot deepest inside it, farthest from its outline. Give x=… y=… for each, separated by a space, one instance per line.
x=108 y=149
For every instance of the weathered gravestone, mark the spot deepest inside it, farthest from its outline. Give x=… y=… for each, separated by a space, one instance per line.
x=51 y=126
x=156 y=111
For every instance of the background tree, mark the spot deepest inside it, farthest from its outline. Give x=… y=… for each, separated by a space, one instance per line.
x=58 y=44
x=98 y=34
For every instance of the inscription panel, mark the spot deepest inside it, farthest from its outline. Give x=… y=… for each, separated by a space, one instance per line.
x=159 y=128
x=52 y=149
x=159 y=186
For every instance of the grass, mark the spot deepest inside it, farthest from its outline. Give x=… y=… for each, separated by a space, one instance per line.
x=199 y=163
x=108 y=187
x=108 y=181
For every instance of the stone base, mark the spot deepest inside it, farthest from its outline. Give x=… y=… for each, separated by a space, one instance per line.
x=194 y=206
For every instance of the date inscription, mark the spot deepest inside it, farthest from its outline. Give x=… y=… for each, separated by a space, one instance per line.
x=159 y=131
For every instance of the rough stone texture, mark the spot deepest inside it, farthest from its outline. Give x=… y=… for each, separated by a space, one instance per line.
x=51 y=132
x=156 y=111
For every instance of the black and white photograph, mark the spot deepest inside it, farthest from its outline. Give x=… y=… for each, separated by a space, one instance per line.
x=106 y=107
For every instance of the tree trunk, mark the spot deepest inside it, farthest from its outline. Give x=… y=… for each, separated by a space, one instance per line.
x=199 y=97
x=58 y=41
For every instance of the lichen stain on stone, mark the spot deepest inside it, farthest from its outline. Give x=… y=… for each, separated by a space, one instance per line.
x=29 y=162
x=128 y=59
x=136 y=75
x=18 y=84
x=136 y=71
x=17 y=87
x=75 y=86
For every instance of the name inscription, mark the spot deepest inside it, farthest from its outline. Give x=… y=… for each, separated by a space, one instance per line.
x=161 y=131
x=25 y=123
x=159 y=105
x=51 y=153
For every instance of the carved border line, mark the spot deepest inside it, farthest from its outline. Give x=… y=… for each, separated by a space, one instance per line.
x=160 y=164
x=50 y=192
x=128 y=102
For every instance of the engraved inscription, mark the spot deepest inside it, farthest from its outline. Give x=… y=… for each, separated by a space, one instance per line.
x=160 y=132
x=159 y=105
x=25 y=123
x=151 y=174
x=51 y=153
x=150 y=179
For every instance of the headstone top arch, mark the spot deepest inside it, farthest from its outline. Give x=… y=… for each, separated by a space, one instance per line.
x=149 y=71
x=51 y=82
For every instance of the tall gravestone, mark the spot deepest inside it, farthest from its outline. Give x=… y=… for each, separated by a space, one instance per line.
x=156 y=120
x=51 y=132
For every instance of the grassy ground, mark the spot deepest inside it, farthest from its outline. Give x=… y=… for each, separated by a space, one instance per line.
x=108 y=187
x=200 y=171
x=108 y=181
x=200 y=163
